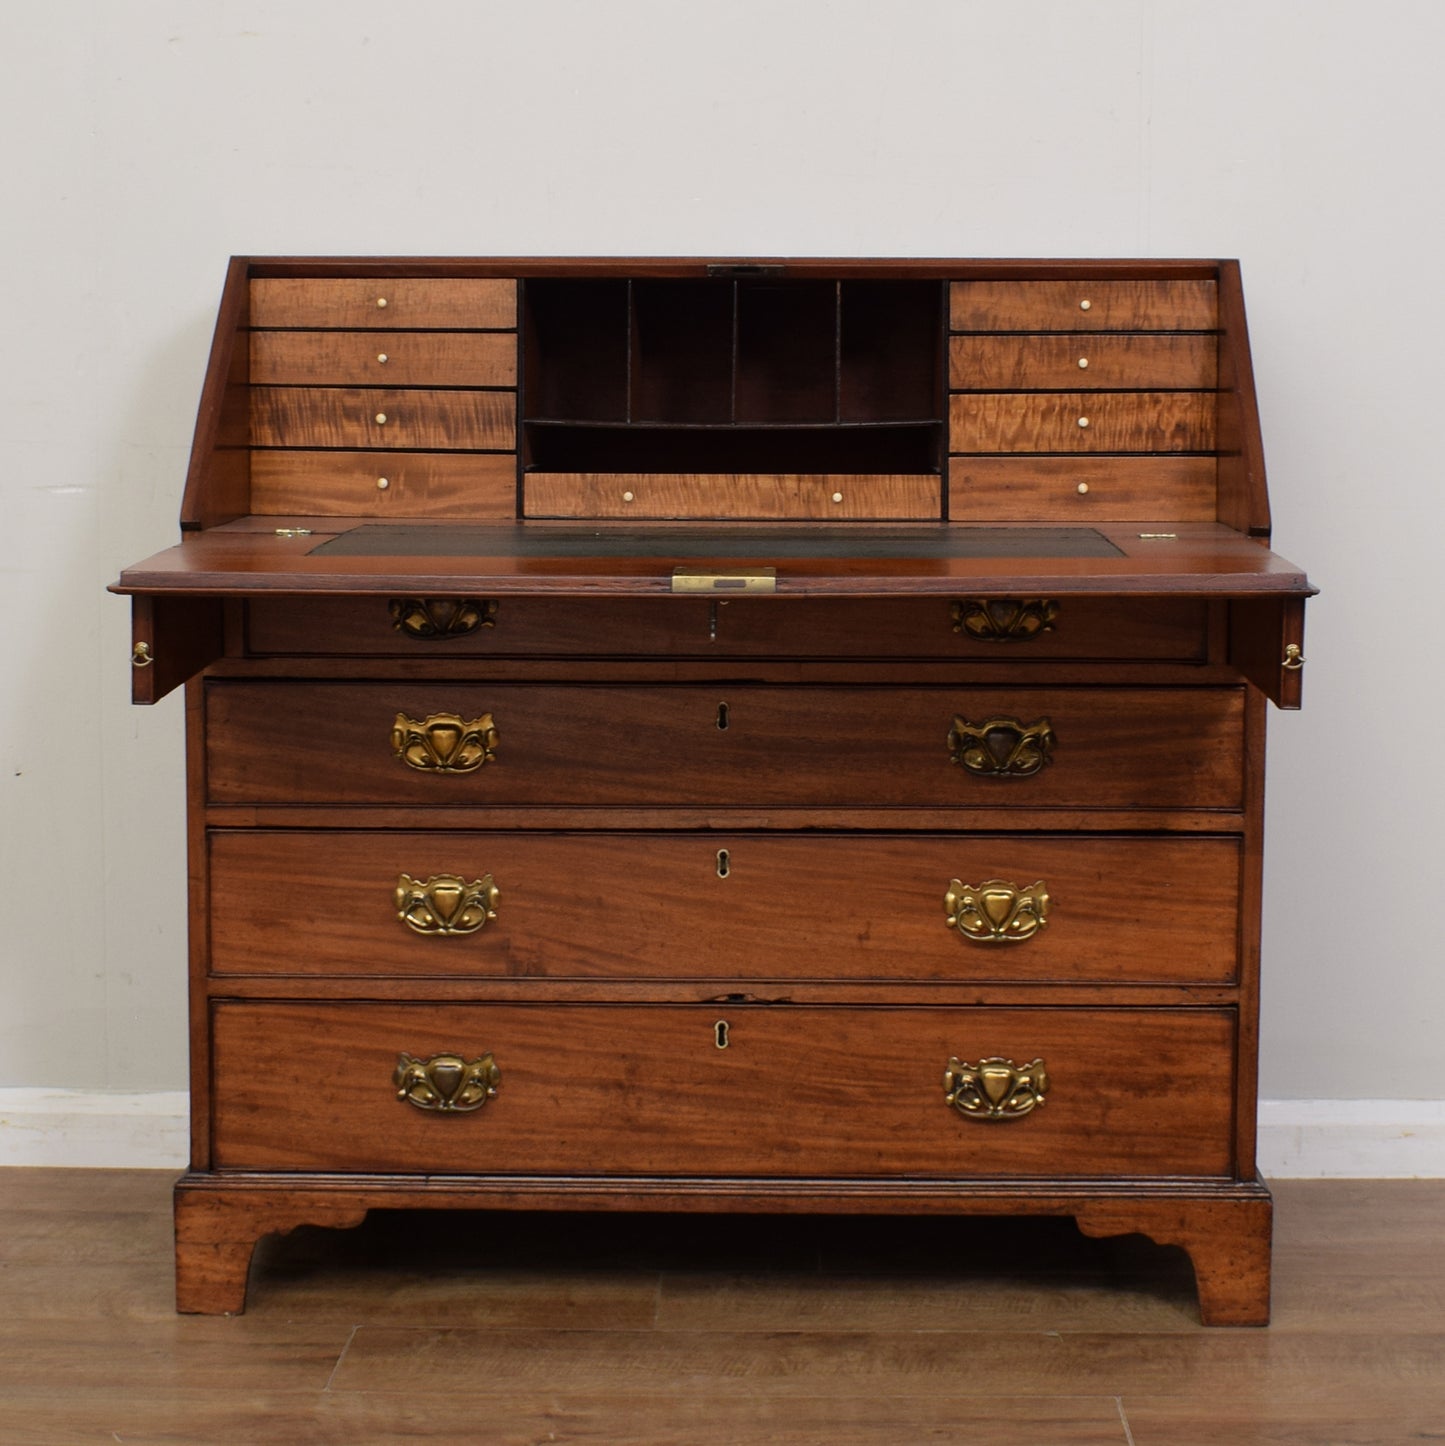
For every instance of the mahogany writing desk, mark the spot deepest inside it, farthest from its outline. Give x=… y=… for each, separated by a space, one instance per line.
x=700 y=735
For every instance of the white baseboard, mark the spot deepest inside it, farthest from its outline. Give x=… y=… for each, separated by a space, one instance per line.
x=1298 y=1139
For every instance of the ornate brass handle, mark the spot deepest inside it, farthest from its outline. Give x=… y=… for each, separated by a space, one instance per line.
x=444 y=742
x=1294 y=658
x=1004 y=619
x=141 y=656
x=1001 y=747
x=446 y=903
x=994 y=1088
x=447 y=1083
x=995 y=912
x=438 y=619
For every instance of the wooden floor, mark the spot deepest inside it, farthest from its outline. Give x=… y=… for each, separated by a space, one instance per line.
x=495 y=1330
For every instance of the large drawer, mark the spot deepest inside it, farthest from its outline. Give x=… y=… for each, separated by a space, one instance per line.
x=622 y=1090
x=1017 y=630
x=340 y=743
x=970 y=907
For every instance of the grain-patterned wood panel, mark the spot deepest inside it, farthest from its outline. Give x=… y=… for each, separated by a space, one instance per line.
x=743 y=745
x=1081 y=422
x=984 y=363
x=357 y=418
x=1163 y=629
x=821 y=1091
x=471 y=485
x=397 y=359
x=1083 y=306
x=659 y=496
x=726 y=906
x=1081 y=489
x=346 y=302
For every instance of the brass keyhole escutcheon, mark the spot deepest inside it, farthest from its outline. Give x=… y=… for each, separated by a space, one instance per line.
x=720 y=1034
x=724 y=863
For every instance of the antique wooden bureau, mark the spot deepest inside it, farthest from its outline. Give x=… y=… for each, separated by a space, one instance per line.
x=714 y=735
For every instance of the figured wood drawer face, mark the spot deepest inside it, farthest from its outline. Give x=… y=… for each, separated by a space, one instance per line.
x=746 y=745
x=1083 y=306
x=458 y=304
x=728 y=906
x=1082 y=489
x=1081 y=421
x=402 y=485
x=1069 y=363
x=1162 y=629
x=359 y=418
x=397 y=359
x=796 y=1092
x=737 y=497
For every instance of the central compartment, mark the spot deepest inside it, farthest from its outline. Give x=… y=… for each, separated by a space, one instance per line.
x=738 y=375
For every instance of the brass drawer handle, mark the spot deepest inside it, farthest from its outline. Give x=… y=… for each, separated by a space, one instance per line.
x=1001 y=747
x=444 y=742
x=436 y=619
x=446 y=903
x=1004 y=619
x=996 y=912
x=446 y=1083
x=994 y=1088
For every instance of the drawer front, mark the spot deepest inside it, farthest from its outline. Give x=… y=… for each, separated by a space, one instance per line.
x=1083 y=306
x=625 y=1090
x=403 y=485
x=747 y=745
x=397 y=359
x=342 y=417
x=737 y=497
x=1068 y=363
x=1082 y=489
x=991 y=907
x=1081 y=422
x=991 y=630
x=459 y=304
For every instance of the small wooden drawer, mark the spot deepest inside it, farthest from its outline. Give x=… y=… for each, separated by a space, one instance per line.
x=990 y=630
x=398 y=359
x=390 y=302
x=982 y=363
x=403 y=485
x=1085 y=489
x=357 y=418
x=1083 y=306
x=744 y=745
x=1081 y=421
x=792 y=1092
x=742 y=497
x=973 y=908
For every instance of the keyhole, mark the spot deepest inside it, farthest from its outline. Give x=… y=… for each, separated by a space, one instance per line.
x=720 y=1034
x=722 y=715
x=724 y=863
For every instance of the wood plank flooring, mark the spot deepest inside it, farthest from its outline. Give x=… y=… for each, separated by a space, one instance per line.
x=715 y=1331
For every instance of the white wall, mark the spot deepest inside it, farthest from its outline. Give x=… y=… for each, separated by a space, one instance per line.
x=147 y=141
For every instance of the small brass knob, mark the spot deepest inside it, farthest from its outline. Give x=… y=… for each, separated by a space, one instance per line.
x=627 y=496
x=1083 y=421
x=381 y=357
x=1083 y=488
x=381 y=419
x=1083 y=363
x=382 y=483
x=1083 y=305
x=381 y=301
x=837 y=497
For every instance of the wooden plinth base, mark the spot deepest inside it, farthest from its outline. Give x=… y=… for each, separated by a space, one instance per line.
x=1225 y=1228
